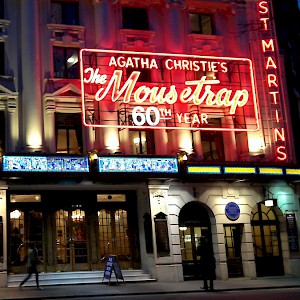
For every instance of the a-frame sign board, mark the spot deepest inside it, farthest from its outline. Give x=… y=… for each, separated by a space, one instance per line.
x=112 y=265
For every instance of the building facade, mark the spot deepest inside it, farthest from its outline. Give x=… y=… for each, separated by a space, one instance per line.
x=133 y=128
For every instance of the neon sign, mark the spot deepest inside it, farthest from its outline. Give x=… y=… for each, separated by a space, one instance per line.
x=180 y=91
x=268 y=45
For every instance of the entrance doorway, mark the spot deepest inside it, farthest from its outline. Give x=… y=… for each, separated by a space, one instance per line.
x=71 y=240
x=193 y=223
x=25 y=226
x=114 y=236
x=74 y=230
x=233 y=234
x=266 y=241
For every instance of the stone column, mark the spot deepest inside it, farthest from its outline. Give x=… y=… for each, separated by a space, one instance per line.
x=31 y=76
x=168 y=269
x=3 y=259
x=12 y=130
x=104 y=33
x=174 y=43
x=229 y=141
x=50 y=135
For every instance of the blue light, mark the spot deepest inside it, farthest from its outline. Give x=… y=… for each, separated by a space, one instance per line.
x=45 y=164
x=137 y=164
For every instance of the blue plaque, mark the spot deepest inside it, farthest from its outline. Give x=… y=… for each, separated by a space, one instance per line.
x=232 y=211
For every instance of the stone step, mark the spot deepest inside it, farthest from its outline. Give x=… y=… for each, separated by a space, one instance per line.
x=60 y=278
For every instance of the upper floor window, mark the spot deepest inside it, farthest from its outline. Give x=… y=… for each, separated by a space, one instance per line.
x=65 y=12
x=135 y=18
x=201 y=23
x=212 y=142
x=65 y=62
x=142 y=142
x=145 y=74
x=68 y=133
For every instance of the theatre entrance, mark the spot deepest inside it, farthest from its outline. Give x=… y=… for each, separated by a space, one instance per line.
x=193 y=223
x=74 y=230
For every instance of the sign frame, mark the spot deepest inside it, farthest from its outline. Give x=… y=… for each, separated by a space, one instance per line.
x=111 y=265
x=97 y=79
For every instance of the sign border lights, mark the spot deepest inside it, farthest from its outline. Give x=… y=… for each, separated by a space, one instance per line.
x=114 y=97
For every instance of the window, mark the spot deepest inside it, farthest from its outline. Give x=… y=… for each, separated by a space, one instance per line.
x=135 y=18
x=145 y=74
x=65 y=12
x=201 y=23
x=142 y=142
x=68 y=133
x=212 y=142
x=209 y=75
x=65 y=62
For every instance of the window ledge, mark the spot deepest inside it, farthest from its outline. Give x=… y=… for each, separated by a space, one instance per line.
x=66 y=34
x=137 y=38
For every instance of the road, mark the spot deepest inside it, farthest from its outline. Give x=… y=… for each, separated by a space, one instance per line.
x=266 y=294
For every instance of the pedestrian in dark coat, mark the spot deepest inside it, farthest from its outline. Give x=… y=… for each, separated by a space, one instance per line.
x=207 y=263
x=32 y=260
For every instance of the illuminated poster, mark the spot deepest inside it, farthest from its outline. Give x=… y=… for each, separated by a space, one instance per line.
x=45 y=164
x=125 y=89
x=137 y=164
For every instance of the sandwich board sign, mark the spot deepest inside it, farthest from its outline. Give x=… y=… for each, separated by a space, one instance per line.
x=112 y=265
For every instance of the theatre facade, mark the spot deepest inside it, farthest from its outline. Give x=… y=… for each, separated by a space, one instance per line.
x=133 y=128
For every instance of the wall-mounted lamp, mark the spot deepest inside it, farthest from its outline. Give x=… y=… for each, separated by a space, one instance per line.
x=269 y=201
x=93 y=155
x=182 y=228
x=182 y=156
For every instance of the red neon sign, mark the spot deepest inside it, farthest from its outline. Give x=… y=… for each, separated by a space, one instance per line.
x=272 y=80
x=180 y=91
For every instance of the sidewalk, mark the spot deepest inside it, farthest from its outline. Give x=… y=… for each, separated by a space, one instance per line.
x=103 y=289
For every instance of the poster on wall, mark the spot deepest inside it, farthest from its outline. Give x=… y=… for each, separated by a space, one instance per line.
x=292 y=232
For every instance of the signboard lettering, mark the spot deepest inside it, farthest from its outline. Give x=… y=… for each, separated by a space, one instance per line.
x=273 y=86
x=112 y=265
x=180 y=92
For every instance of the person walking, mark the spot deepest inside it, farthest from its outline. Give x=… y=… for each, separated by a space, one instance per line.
x=207 y=263
x=32 y=260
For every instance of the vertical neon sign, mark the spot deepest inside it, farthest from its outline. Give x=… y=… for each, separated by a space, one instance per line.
x=269 y=51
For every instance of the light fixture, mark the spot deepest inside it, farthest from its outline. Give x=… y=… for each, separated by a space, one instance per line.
x=16 y=214
x=182 y=156
x=182 y=228
x=93 y=155
x=269 y=200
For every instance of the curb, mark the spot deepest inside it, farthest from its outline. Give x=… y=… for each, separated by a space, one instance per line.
x=39 y=295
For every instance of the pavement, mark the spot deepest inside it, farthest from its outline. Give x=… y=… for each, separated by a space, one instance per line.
x=145 y=288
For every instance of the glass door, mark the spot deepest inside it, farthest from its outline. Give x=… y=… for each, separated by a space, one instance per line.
x=233 y=237
x=71 y=240
x=25 y=227
x=114 y=236
x=189 y=239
